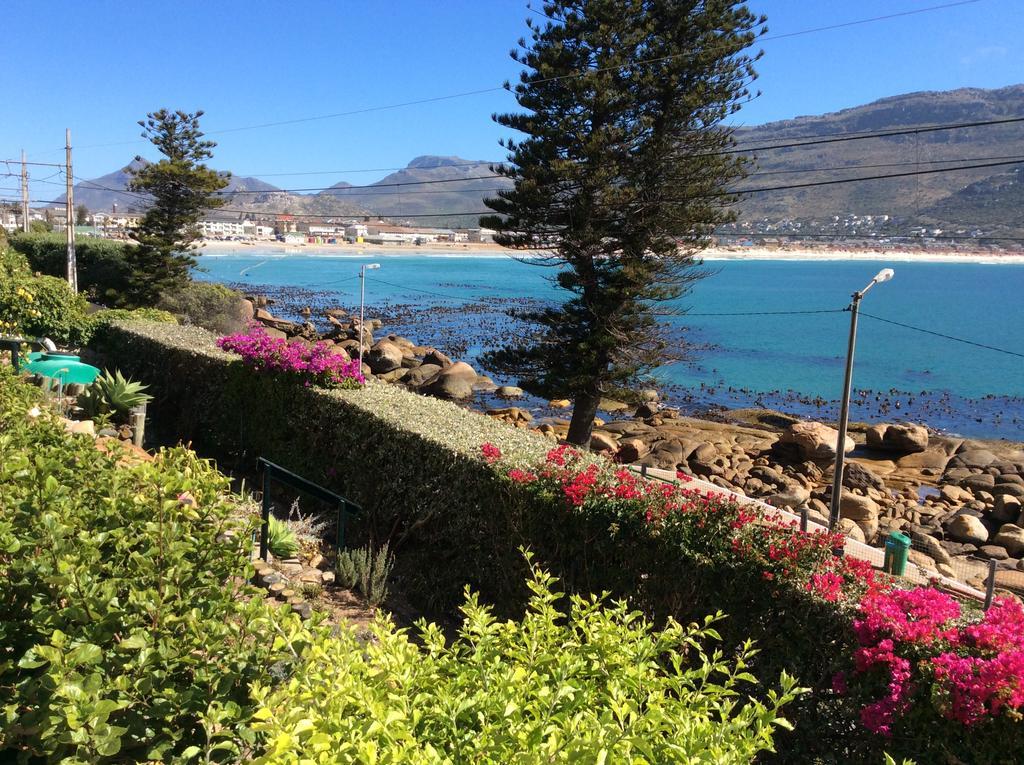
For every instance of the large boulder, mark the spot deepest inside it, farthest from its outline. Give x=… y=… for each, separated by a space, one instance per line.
x=967 y=528
x=455 y=382
x=814 y=440
x=385 y=356
x=899 y=438
x=603 y=442
x=972 y=458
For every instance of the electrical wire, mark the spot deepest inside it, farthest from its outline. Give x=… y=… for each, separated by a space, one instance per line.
x=943 y=335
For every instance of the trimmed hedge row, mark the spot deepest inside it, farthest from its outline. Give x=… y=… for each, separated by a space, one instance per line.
x=414 y=464
x=127 y=634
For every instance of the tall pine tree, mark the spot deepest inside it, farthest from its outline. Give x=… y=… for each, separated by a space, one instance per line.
x=182 y=188
x=621 y=178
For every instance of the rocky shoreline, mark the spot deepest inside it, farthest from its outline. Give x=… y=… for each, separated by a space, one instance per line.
x=960 y=500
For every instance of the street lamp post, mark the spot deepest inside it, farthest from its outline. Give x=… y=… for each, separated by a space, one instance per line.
x=844 y=412
x=362 y=294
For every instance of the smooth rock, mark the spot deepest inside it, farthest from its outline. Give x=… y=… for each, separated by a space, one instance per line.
x=83 y=428
x=455 y=382
x=967 y=528
x=509 y=391
x=901 y=438
x=421 y=375
x=1012 y=581
x=632 y=449
x=815 y=440
x=602 y=442
x=434 y=356
x=856 y=507
x=1006 y=508
x=1011 y=537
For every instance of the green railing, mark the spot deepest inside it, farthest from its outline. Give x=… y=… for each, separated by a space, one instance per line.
x=273 y=472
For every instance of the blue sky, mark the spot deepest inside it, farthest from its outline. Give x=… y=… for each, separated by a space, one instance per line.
x=99 y=66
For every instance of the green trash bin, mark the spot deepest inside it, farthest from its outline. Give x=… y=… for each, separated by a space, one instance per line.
x=897 y=549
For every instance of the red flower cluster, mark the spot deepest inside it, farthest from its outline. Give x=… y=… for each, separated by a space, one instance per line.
x=490 y=452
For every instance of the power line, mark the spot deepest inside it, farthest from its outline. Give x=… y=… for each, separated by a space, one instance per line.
x=769 y=313
x=943 y=335
x=573 y=75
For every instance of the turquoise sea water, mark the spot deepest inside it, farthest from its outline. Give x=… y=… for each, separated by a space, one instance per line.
x=783 y=361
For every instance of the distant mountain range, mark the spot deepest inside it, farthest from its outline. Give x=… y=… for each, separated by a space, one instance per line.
x=987 y=199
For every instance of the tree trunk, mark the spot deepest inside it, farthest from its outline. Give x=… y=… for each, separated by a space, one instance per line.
x=582 y=423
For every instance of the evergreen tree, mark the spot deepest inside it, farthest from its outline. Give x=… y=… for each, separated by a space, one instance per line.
x=81 y=215
x=621 y=179
x=182 y=187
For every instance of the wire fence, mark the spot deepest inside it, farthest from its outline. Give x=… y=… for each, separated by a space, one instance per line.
x=971 y=578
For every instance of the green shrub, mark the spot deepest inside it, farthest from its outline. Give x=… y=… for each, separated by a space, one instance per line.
x=40 y=306
x=281 y=540
x=208 y=305
x=597 y=684
x=124 y=633
x=345 y=570
x=104 y=265
x=368 y=572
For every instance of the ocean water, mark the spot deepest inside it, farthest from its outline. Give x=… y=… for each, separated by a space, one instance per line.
x=751 y=355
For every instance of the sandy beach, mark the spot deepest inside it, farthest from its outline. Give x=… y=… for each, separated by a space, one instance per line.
x=897 y=255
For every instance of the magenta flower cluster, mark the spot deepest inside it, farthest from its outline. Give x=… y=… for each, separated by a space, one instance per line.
x=308 y=363
x=916 y=640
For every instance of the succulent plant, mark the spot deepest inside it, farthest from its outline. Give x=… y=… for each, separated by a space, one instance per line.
x=112 y=394
x=281 y=540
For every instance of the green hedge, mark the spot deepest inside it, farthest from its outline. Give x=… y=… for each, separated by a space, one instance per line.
x=128 y=634
x=414 y=464
x=104 y=267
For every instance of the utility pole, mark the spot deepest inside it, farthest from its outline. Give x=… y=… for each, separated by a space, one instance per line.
x=72 y=265
x=24 y=193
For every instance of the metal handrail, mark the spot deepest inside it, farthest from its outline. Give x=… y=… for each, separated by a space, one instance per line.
x=272 y=471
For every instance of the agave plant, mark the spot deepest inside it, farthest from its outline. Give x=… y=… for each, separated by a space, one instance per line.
x=112 y=394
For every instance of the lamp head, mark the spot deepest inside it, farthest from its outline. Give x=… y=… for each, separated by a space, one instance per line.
x=884 y=275
x=371 y=266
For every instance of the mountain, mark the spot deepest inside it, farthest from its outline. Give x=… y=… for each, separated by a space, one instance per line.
x=929 y=199
x=439 y=188
x=101 y=194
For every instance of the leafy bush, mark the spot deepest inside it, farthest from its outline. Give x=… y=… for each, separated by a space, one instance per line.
x=104 y=265
x=123 y=636
x=40 y=306
x=596 y=684
x=281 y=539
x=921 y=664
x=207 y=304
x=112 y=394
